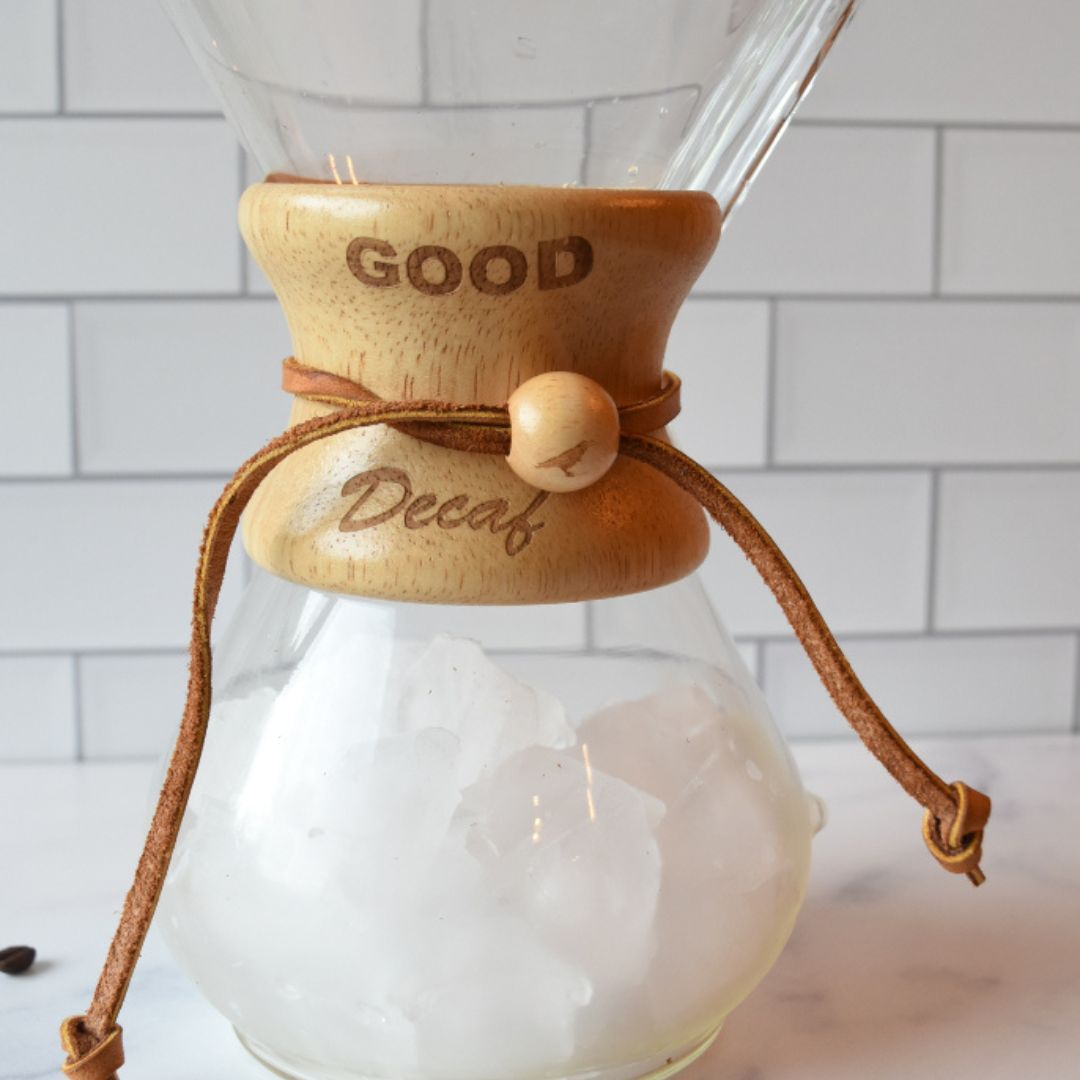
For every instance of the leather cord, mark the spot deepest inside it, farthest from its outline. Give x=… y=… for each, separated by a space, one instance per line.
x=639 y=418
x=955 y=814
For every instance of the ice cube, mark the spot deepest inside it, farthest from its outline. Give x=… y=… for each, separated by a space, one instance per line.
x=453 y=685
x=700 y=760
x=574 y=851
x=730 y=885
x=489 y=1000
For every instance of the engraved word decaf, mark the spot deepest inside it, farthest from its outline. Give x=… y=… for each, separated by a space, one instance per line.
x=389 y=492
x=496 y=270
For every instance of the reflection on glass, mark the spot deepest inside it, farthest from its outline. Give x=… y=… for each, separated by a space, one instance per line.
x=596 y=93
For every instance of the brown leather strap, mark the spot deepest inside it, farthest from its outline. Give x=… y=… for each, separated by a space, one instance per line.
x=639 y=418
x=955 y=814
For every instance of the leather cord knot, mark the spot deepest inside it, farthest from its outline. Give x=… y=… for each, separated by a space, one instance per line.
x=957 y=844
x=87 y=1058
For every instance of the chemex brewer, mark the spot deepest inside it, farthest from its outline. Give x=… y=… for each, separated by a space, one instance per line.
x=478 y=787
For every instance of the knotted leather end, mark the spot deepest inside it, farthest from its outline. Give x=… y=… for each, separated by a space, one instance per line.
x=101 y=1061
x=958 y=847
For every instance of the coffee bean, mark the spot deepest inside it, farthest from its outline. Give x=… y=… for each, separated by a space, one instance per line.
x=17 y=959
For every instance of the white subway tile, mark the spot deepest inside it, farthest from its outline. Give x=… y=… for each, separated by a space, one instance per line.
x=125 y=56
x=37 y=708
x=217 y=365
x=926 y=382
x=720 y=349
x=35 y=437
x=966 y=60
x=131 y=705
x=1009 y=219
x=1007 y=550
x=834 y=210
x=102 y=564
x=858 y=540
x=28 y=57
x=118 y=206
x=934 y=685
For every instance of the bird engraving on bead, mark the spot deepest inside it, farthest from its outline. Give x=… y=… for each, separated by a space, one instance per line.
x=568 y=459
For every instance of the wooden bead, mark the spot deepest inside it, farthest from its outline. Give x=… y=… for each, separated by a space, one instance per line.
x=564 y=431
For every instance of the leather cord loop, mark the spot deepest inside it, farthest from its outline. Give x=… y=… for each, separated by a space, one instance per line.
x=957 y=844
x=89 y=1059
x=955 y=813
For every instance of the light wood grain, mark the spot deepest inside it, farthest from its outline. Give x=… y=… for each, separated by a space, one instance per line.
x=502 y=297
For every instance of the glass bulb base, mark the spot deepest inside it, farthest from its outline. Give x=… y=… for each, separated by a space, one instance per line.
x=659 y=1067
x=484 y=843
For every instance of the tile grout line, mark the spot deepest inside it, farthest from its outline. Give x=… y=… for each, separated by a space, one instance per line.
x=933 y=539
x=831 y=468
x=703 y=296
x=1076 y=691
x=132 y=651
x=425 y=51
x=854 y=468
x=77 y=704
x=936 y=221
x=73 y=393
x=1003 y=127
x=104 y=116
x=227 y=296
x=771 y=394
x=61 y=82
x=586 y=149
x=844 y=297
x=804 y=123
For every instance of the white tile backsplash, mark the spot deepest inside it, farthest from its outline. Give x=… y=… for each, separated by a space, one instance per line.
x=37 y=708
x=101 y=565
x=118 y=206
x=884 y=355
x=927 y=382
x=859 y=541
x=1009 y=549
x=985 y=61
x=215 y=362
x=29 y=76
x=1009 y=214
x=131 y=705
x=935 y=685
x=720 y=349
x=836 y=210
x=35 y=436
x=124 y=56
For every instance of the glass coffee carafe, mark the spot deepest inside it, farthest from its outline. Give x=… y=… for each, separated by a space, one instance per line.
x=487 y=792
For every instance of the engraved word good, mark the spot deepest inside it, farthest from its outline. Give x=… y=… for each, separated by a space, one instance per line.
x=495 y=270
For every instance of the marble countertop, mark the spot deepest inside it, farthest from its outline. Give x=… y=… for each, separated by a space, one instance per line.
x=895 y=971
